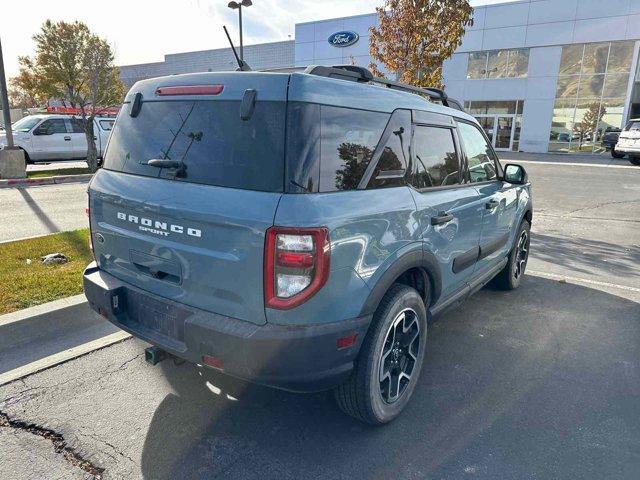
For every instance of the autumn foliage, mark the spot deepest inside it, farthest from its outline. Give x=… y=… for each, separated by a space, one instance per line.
x=415 y=37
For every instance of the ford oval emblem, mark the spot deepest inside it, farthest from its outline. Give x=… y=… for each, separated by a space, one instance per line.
x=343 y=39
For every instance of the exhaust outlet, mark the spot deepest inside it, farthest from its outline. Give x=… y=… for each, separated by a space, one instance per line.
x=154 y=355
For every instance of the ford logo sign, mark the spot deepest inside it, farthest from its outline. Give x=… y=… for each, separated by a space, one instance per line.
x=343 y=39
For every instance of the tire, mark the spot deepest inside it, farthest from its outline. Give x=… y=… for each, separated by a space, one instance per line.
x=364 y=396
x=634 y=160
x=511 y=275
x=27 y=160
x=615 y=154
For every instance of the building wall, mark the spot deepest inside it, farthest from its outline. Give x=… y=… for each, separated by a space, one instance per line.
x=543 y=26
x=266 y=56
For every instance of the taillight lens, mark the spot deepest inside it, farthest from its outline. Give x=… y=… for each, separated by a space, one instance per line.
x=296 y=265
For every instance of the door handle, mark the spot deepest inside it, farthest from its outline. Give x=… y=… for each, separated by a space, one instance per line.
x=491 y=204
x=67 y=139
x=441 y=218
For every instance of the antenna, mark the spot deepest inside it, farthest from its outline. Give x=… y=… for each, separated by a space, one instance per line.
x=242 y=65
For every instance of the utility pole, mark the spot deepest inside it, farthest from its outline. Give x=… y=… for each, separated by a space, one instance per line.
x=6 y=113
x=12 y=162
x=238 y=6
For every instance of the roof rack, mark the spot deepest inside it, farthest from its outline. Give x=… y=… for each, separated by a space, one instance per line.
x=363 y=75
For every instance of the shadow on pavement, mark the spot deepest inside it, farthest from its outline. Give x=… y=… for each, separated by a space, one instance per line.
x=585 y=255
x=539 y=383
x=42 y=216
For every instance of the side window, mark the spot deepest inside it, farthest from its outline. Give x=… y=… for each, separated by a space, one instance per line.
x=348 y=140
x=76 y=123
x=436 y=162
x=480 y=156
x=53 y=125
x=391 y=168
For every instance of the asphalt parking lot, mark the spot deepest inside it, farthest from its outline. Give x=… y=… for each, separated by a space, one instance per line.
x=538 y=383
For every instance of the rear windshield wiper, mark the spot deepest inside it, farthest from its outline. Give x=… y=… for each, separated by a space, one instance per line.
x=164 y=163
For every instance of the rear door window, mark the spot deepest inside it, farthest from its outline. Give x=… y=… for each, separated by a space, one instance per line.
x=208 y=137
x=436 y=162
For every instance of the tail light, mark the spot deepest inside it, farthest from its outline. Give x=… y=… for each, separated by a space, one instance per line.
x=296 y=265
x=87 y=212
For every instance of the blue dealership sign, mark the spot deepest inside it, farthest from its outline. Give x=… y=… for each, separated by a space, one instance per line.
x=343 y=39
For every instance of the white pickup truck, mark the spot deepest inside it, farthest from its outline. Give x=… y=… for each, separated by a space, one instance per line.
x=54 y=137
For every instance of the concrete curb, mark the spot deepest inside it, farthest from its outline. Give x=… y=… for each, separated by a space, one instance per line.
x=32 y=182
x=44 y=336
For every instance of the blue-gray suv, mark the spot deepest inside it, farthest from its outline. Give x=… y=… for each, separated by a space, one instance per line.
x=299 y=230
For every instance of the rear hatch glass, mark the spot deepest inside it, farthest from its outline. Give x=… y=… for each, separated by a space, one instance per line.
x=208 y=137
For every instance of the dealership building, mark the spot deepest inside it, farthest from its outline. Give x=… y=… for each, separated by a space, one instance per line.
x=539 y=75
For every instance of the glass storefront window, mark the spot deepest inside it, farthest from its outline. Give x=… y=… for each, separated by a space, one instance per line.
x=620 y=57
x=498 y=64
x=615 y=84
x=592 y=84
x=500 y=119
x=595 y=58
x=568 y=87
x=477 y=65
x=571 y=60
x=518 y=63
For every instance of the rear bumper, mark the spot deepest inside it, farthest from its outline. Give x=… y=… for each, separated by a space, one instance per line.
x=635 y=150
x=301 y=359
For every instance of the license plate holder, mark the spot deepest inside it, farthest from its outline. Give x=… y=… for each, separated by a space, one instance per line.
x=159 y=317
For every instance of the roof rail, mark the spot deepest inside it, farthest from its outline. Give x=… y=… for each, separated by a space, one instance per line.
x=363 y=75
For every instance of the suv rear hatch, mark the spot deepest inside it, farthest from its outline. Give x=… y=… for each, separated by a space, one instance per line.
x=192 y=227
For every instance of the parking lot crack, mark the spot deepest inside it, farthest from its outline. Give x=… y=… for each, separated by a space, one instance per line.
x=59 y=444
x=601 y=204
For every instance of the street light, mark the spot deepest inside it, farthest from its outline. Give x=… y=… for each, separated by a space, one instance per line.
x=238 y=6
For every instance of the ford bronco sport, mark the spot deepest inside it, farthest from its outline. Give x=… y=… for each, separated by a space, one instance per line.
x=299 y=230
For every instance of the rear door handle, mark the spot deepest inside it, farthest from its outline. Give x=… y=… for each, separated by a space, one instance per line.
x=67 y=139
x=441 y=219
x=491 y=204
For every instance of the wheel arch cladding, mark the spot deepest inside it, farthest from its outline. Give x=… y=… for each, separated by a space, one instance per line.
x=416 y=269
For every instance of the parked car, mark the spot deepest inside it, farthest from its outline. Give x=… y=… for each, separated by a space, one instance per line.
x=298 y=230
x=610 y=138
x=629 y=142
x=49 y=137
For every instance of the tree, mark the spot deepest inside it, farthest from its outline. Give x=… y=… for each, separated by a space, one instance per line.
x=76 y=66
x=21 y=98
x=589 y=123
x=415 y=37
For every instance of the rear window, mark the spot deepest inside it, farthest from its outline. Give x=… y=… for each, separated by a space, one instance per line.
x=214 y=144
x=633 y=126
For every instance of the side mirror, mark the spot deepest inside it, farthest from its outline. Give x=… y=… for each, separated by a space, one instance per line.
x=515 y=174
x=40 y=131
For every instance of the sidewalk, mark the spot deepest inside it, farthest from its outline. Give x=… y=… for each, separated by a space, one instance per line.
x=39 y=337
x=596 y=159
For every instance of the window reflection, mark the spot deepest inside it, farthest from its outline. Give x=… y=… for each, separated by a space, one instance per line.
x=436 y=160
x=592 y=83
x=480 y=157
x=498 y=64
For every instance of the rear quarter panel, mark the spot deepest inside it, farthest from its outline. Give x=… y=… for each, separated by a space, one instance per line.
x=367 y=228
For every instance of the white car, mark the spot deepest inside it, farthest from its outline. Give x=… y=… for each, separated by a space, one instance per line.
x=629 y=142
x=54 y=137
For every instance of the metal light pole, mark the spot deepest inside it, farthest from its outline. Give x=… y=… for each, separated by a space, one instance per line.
x=6 y=113
x=238 y=6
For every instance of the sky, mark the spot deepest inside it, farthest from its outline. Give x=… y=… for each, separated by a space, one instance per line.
x=142 y=31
